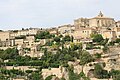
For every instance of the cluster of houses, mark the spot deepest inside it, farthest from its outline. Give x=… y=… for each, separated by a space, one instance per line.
x=81 y=30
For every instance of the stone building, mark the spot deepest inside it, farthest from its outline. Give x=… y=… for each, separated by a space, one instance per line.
x=83 y=33
x=111 y=35
x=101 y=21
x=5 y=35
x=81 y=22
x=66 y=29
x=19 y=41
x=5 y=38
x=117 y=30
x=98 y=21
x=118 y=24
x=53 y=31
x=58 y=72
x=25 y=32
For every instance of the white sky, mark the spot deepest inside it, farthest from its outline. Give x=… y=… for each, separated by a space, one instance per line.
x=17 y=14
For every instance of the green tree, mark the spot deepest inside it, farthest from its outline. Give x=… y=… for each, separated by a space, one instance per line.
x=89 y=46
x=62 y=79
x=76 y=46
x=44 y=35
x=57 y=39
x=10 y=53
x=49 y=77
x=85 y=58
x=117 y=40
x=97 y=38
x=67 y=38
x=104 y=42
x=115 y=74
x=72 y=75
x=82 y=76
x=35 y=76
x=100 y=73
x=97 y=56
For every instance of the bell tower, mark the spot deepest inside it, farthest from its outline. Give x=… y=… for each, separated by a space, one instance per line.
x=100 y=14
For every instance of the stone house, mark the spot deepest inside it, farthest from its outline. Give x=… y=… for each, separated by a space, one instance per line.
x=58 y=72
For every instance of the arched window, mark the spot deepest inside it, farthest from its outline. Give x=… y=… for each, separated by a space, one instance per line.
x=98 y=22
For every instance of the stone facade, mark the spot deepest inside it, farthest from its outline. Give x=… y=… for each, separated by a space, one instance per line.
x=81 y=22
x=66 y=29
x=59 y=72
x=101 y=21
x=98 y=21
x=83 y=33
x=111 y=35
x=24 y=32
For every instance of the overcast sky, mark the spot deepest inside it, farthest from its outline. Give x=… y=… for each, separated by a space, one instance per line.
x=17 y=14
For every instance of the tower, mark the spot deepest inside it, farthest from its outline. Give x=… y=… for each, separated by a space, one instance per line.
x=100 y=14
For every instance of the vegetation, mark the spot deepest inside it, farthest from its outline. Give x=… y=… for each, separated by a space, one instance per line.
x=11 y=73
x=100 y=73
x=85 y=58
x=44 y=35
x=117 y=40
x=64 y=51
x=72 y=75
x=97 y=37
x=10 y=53
x=35 y=76
x=97 y=55
x=67 y=38
x=56 y=39
x=77 y=46
x=105 y=49
x=75 y=76
x=49 y=77
x=115 y=74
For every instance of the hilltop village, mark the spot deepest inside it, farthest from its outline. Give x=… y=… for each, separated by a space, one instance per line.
x=87 y=50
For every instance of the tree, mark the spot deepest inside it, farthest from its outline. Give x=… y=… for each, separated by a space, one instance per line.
x=35 y=76
x=97 y=56
x=97 y=38
x=67 y=38
x=89 y=46
x=49 y=77
x=44 y=35
x=9 y=53
x=82 y=76
x=117 y=40
x=105 y=49
x=104 y=42
x=97 y=70
x=76 y=46
x=62 y=78
x=28 y=71
x=49 y=43
x=100 y=73
x=117 y=77
x=72 y=38
x=115 y=74
x=57 y=39
x=72 y=75
x=85 y=58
